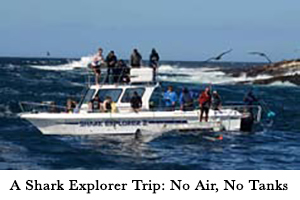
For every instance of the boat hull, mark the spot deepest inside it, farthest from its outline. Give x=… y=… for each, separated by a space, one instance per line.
x=131 y=123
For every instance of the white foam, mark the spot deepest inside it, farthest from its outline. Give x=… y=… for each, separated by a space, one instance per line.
x=282 y=83
x=82 y=63
x=203 y=75
x=176 y=73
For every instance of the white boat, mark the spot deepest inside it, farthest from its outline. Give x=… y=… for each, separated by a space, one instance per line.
x=54 y=120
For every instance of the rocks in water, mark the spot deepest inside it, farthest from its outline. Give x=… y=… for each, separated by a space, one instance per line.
x=274 y=69
x=284 y=71
x=294 y=79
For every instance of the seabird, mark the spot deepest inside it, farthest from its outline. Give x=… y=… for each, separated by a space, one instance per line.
x=261 y=54
x=219 y=57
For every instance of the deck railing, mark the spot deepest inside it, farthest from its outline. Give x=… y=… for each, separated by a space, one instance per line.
x=254 y=110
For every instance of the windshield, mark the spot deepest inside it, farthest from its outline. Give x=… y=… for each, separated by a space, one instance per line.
x=88 y=96
x=129 y=93
x=113 y=93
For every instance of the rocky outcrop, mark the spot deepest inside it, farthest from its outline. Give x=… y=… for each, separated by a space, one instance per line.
x=293 y=79
x=275 y=69
x=284 y=71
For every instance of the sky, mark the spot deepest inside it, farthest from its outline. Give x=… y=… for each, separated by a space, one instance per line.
x=189 y=30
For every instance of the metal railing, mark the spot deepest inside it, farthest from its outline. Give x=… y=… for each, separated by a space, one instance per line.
x=108 y=76
x=254 y=110
x=44 y=107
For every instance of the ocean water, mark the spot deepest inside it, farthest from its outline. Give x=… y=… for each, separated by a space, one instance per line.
x=273 y=145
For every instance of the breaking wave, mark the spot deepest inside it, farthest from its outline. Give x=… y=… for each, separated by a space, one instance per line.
x=80 y=64
x=202 y=75
x=179 y=73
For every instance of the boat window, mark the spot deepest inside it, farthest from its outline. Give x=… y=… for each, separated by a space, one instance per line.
x=88 y=96
x=156 y=100
x=129 y=93
x=113 y=93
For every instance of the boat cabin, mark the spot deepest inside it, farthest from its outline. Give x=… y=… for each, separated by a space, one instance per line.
x=121 y=94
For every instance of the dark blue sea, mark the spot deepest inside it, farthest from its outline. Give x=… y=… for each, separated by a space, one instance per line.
x=275 y=144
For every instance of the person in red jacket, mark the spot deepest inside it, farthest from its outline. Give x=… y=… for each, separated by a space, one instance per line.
x=204 y=103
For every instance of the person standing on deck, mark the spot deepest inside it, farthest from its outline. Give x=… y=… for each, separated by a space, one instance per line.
x=154 y=58
x=249 y=100
x=170 y=98
x=216 y=101
x=111 y=61
x=124 y=72
x=204 y=103
x=186 y=100
x=96 y=63
x=135 y=59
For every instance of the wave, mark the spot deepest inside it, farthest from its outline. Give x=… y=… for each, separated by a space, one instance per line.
x=5 y=111
x=178 y=73
x=282 y=83
x=203 y=75
x=80 y=64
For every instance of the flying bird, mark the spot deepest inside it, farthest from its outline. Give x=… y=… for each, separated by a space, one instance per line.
x=219 y=57
x=48 y=53
x=261 y=54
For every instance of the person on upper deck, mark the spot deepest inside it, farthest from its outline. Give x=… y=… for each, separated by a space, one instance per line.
x=186 y=100
x=154 y=58
x=170 y=98
x=96 y=63
x=95 y=105
x=111 y=61
x=205 y=103
x=123 y=72
x=136 y=102
x=135 y=59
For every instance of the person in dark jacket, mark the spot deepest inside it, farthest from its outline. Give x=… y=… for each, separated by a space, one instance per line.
x=250 y=98
x=95 y=104
x=136 y=102
x=186 y=100
x=111 y=61
x=123 y=72
x=216 y=101
x=204 y=103
x=154 y=58
x=135 y=59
